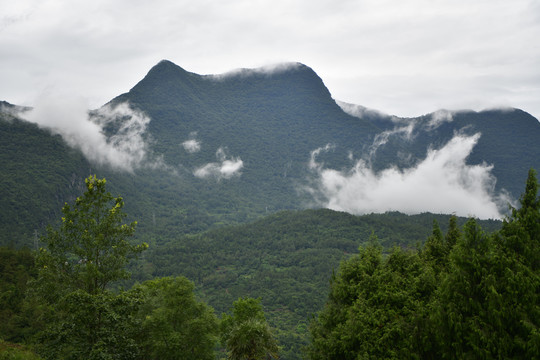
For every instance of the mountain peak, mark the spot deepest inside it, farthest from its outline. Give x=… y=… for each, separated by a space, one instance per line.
x=166 y=69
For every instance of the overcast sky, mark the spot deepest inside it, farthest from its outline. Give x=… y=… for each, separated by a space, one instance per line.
x=402 y=57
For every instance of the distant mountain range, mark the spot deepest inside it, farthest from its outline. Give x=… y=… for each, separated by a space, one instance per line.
x=190 y=152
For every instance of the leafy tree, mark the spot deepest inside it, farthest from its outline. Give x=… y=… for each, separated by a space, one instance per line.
x=16 y=269
x=467 y=295
x=86 y=326
x=245 y=333
x=174 y=325
x=453 y=234
x=89 y=251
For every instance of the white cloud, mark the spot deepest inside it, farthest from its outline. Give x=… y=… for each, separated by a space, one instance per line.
x=439 y=117
x=405 y=131
x=225 y=168
x=125 y=149
x=192 y=146
x=441 y=183
x=268 y=69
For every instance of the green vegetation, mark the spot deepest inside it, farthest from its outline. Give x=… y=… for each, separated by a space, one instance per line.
x=463 y=293
x=81 y=260
x=467 y=295
x=245 y=333
x=9 y=351
x=17 y=267
x=271 y=121
x=173 y=324
x=286 y=259
x=247 y=237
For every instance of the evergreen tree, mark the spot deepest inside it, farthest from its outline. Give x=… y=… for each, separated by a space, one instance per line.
x=374 y=307
x=469 y=295
x=488 y=304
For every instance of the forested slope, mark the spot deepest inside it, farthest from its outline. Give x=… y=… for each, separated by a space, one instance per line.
x=287 y=259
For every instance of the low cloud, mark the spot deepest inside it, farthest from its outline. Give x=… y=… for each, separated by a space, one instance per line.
x=441 y=183
x=406 y=132
x=266 y=70
x=225 y=168
x=123 y=148
x=438 y=118
x=192 y=145
x=360 y=111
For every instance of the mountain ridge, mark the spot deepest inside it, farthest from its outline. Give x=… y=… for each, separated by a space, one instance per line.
x=269 y=122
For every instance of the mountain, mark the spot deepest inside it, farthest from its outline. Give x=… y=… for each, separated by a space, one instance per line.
x=508 y=137
x=39 y=172
x=219 y=175
x=226 y=149
x=269 y=120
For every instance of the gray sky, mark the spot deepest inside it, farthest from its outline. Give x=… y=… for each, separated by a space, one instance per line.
x=403 y=57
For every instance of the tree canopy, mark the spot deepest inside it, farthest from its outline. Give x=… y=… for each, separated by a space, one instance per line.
x=245 y=333
x=468 y=294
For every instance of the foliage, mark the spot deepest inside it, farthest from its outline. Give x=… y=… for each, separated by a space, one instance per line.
x=374 y=301
x=465 y=295
x=245 y=333
x=16 y=269
x=86 y=254
x=286 y=259
x=173 y=324
x=90 y=249
x=92 y=326
x=499 y=315
x=39 y=172
x=9 y=351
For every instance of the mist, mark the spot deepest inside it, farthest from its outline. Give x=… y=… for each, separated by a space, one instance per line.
x=441 y=183
x=192 y=145
x=125 y=149
x=224 y=168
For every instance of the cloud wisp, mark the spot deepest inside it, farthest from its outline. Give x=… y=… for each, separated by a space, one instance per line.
x=125 y=148
x=224 y=168
x=192 y=145
x=441 y=183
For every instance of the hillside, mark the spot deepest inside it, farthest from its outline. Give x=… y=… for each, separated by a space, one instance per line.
x=226 y=149
x=286 y=259
x=39 y=173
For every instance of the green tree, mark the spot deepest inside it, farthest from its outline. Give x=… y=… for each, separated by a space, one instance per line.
x=16 y=269
x=522 y=229
x=246 y=334
x=488 y=304
x=374 y=307
x=86 y=326
x=452 y=235
x=174 y=325
x=434 y=250
x=89 y=251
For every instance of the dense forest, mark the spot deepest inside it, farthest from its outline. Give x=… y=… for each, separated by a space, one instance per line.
x=465 y=291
